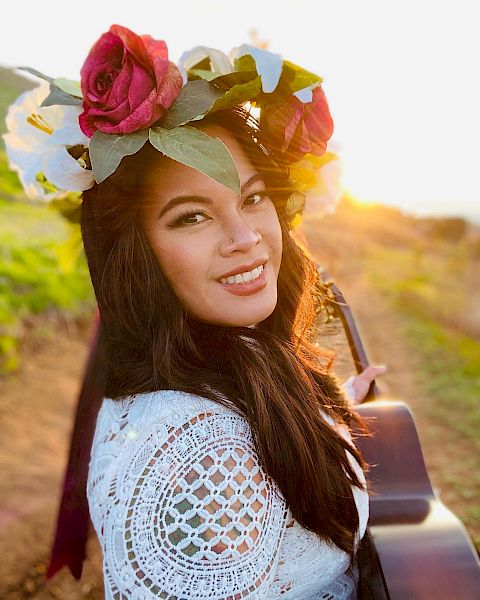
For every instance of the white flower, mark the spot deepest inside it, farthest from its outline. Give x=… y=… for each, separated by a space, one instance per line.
x=323 y=198
x=220 y=63
x=306 y=94
x=36 y=145
x=318 y=178
x=268 y=65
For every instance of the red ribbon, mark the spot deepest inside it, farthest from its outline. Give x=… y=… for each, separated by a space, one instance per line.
x=69 y=546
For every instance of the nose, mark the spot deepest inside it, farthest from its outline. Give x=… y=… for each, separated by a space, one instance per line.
x=240 y=235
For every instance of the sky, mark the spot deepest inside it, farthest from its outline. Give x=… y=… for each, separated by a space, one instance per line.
x=401 y=77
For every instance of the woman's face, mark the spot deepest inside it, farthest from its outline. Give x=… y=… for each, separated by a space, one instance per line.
x=199 y=241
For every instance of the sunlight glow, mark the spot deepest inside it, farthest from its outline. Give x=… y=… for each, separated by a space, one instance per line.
x=400 y=78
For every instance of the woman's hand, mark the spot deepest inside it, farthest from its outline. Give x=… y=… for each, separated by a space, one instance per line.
x=356 y=387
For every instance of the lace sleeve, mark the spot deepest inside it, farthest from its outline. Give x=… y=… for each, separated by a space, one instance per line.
x=192 y=514
x=347 y=387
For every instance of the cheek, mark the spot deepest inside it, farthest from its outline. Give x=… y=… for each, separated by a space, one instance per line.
x=183 y=265
x=273 y=232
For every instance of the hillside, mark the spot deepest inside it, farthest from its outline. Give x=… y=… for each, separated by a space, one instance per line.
x=11 y=86
x=427 y=265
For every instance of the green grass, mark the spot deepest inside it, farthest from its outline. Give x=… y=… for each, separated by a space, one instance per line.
x=37 y=275
x=428 y=288
x=32 y=280
x=430 y=281
x=450 y=372
x=9 y=182
x=429 y=294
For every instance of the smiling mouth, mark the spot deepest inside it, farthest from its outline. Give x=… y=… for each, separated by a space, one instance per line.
x=247 y=288
x=243 y=278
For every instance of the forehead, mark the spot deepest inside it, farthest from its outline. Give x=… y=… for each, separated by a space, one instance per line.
x=168 y=177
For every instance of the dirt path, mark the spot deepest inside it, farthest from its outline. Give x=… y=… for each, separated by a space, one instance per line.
x=36 y=415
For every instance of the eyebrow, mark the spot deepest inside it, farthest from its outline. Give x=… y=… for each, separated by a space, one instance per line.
x=202 y=199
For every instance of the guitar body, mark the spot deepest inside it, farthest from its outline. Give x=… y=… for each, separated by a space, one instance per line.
x=423 y=549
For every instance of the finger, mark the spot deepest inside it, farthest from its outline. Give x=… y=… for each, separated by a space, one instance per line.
x=372 y=371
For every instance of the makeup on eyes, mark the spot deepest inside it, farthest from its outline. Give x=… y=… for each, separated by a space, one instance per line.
x=177 y=221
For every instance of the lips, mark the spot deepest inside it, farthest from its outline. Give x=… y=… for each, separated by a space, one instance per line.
x=248 y=288
x=243 y=268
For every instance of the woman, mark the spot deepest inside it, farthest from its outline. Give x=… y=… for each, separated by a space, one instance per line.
x=222 y=464
x=212 y=422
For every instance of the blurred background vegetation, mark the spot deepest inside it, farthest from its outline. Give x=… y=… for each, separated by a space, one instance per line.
x=36 y=276
x=413 y=284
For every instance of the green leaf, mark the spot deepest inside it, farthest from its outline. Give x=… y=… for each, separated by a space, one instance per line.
x=203 y=65
x=298 y=78
x=292 y=79
x=200 y=151
x=58 y=96
x=193 y=101
x=69 y=86
x=227 y=81
x=237 y=94
x=203 y=74
x=36 y=73
x=245 y=63
x=107 y=150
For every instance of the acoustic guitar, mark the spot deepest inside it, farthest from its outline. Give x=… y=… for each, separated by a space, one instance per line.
x=414 y=547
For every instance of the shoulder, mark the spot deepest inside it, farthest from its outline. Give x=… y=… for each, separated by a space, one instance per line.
x=189 y=502
x=123 y=418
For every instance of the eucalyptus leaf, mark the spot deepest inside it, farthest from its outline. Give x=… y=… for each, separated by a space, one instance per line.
x=194 y=100
x=107 y=150
x=198 y=150
x=58 y=96
x=36 y=73
x=69 y=86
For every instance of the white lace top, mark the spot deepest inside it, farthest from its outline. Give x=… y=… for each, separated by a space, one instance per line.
x=183 y=510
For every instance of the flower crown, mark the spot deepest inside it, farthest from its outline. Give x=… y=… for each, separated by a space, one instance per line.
x=65 y=135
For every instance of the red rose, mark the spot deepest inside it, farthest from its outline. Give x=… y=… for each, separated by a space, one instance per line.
x=127 y=82
x=298 y=128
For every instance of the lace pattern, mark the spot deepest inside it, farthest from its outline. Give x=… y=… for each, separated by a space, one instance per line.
x=184 y=510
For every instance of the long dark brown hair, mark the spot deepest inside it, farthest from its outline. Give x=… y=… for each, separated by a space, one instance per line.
x=273 y=374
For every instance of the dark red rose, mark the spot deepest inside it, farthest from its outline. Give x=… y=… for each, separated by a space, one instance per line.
x=297 y=128
x=127 y=82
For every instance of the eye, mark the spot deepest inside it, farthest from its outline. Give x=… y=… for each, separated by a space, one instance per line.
x=183 y=216
x=261 y=194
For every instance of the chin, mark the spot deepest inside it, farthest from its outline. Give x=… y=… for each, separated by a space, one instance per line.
x=250 y=318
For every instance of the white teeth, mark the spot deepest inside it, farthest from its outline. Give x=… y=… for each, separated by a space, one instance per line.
x=243 y=277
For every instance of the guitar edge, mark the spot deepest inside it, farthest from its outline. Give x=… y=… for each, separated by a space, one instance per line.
x=424 y=550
